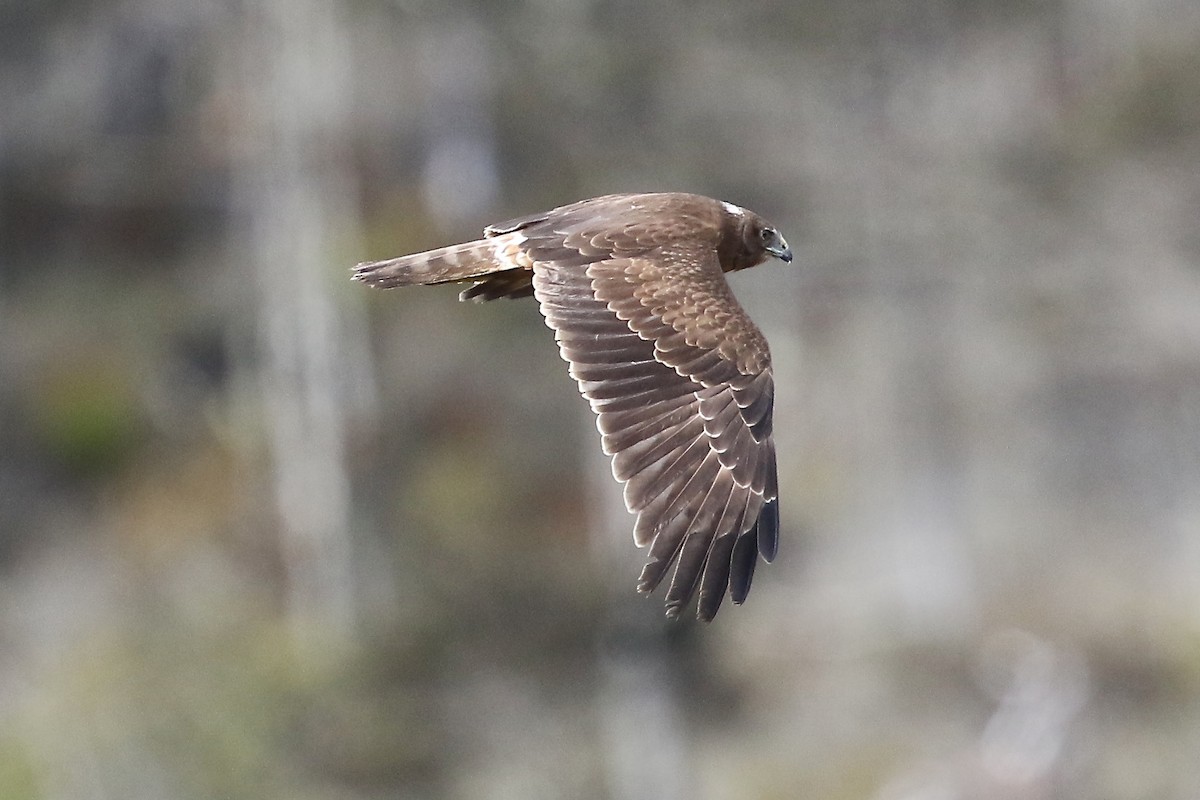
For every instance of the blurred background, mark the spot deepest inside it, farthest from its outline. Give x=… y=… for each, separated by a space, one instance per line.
x=265 y=533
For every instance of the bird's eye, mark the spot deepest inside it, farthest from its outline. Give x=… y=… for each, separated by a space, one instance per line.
x=767 y=234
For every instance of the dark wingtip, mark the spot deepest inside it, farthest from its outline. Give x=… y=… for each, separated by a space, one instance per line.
x=708 y=606
x=768 y=530
x=762 y=539
x=741 y=567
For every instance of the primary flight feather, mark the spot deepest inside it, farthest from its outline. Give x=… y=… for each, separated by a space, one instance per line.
x=680 y=378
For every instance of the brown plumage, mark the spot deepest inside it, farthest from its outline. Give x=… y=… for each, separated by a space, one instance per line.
x=633 y=286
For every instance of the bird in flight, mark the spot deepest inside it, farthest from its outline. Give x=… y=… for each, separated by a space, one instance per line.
x=680 y=378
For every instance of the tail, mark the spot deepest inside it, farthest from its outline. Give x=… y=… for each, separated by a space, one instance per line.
x=459 y=262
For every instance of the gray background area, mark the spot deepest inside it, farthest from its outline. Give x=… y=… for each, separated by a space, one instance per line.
x=265 y=533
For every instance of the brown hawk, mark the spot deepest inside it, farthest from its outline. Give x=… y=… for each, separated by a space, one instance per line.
x=633 y=286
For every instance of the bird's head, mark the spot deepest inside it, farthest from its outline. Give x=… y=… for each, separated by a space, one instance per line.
x=755 y=240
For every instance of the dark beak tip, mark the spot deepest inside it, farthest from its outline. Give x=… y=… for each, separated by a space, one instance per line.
x=786 y=256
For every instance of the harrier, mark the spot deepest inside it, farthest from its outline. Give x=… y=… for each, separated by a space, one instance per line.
x=680 y=379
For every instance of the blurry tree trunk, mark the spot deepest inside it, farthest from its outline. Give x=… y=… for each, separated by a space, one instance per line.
x=643 y=740
x=294 y=189
x=460 y=174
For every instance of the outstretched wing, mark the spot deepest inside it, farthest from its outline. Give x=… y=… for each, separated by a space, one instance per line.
x=681 y=381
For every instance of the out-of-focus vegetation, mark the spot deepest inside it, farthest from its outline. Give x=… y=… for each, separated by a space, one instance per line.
x=264 y=533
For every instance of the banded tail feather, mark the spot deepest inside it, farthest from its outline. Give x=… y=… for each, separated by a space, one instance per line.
x=497 y=264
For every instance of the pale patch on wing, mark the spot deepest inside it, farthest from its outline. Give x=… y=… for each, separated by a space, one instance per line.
x=509 y=250
x=737 y=211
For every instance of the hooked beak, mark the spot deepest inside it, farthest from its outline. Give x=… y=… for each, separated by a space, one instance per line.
x=781 y=251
